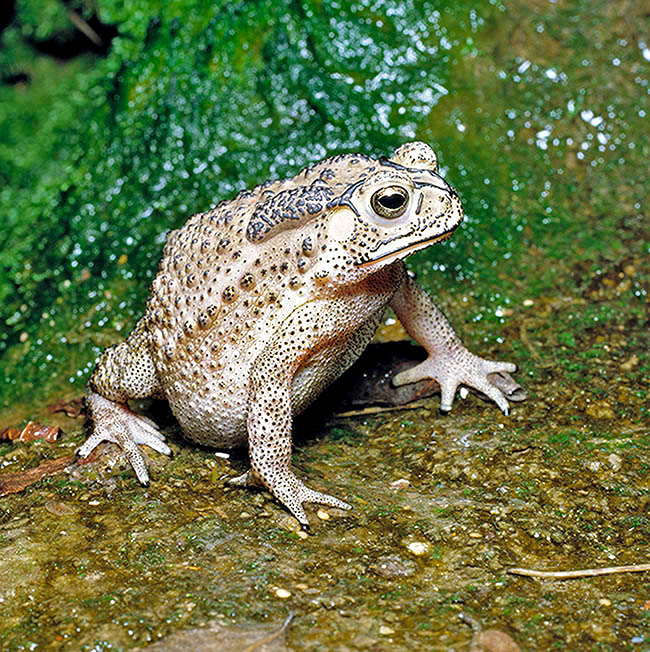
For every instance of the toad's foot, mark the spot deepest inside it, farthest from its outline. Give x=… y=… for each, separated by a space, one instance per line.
x=462 y=367
x=291 y=492
x=117 y=423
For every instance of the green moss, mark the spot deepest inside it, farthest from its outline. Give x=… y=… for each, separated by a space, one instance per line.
x=191 y=104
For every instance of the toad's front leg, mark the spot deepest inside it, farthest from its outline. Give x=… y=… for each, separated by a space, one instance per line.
x=124 y=372
x=270 y=413
x=449 y=362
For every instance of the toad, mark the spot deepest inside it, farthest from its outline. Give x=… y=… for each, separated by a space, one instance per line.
x=262 y=302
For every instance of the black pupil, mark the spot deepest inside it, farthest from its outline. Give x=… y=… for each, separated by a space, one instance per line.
x=392 y=201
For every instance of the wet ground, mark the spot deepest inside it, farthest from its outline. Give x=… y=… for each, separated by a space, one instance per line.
x=547 y=102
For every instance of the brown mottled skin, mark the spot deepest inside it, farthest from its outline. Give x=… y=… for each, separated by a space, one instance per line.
x=262 y=302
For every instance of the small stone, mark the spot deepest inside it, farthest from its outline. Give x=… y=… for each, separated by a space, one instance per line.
x=59 y=508
x=528 y=303
x=418 y=547
x=402 y=483
x=394 y=566
x=593 y=466
x=282 y=593
x=302 y=534
x=290 y=523
x=244 y=515
x=630 y=363
x=600 y=410
x=492 y=640
x=223 y=456
x=323 y=515
x=615 y=461
x=302 y=587
x=384 y=630
x=604 y=602
x=475 y=535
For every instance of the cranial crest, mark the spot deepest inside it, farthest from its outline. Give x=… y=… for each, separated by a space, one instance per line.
x=286 y=210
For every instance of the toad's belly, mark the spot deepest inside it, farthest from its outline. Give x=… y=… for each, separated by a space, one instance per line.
x=215 y=414
x=211 y=415
x=212 y=410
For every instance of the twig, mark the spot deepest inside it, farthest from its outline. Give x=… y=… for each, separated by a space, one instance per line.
x=85 y=28
x=375 y=410
x=270 y=637
x=587 y=572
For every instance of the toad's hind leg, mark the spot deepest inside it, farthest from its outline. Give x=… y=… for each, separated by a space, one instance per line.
x=308 y=331
x=124 y=372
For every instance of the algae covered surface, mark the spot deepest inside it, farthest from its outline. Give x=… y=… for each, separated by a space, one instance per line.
x=539 y=113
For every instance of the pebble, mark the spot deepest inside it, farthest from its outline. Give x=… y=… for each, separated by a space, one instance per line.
x=59 y=509
x=402 y=483
x=630 y=363
x=394 y=566
x=418 y=547
x=600 y=410
x=323 y=515
x=384 y=630
x=290 y=523
x=282 y=593
x=475 y=535
x=615 y=461
x=528 y=303
x=302 y=534
x=604 y=602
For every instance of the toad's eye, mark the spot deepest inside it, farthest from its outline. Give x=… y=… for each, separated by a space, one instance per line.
x=390 y=202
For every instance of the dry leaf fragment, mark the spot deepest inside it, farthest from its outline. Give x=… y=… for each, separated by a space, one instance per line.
x=30 y=432
x=13 y=483
x=71 y=407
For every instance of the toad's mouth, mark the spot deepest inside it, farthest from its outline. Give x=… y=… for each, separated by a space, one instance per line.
x=420 y=244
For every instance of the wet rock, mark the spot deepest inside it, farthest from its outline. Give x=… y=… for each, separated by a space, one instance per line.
x=394 y=566
x=265 y=638
x=492 y=640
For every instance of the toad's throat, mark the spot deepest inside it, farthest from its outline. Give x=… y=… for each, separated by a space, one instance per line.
x=420 y=244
